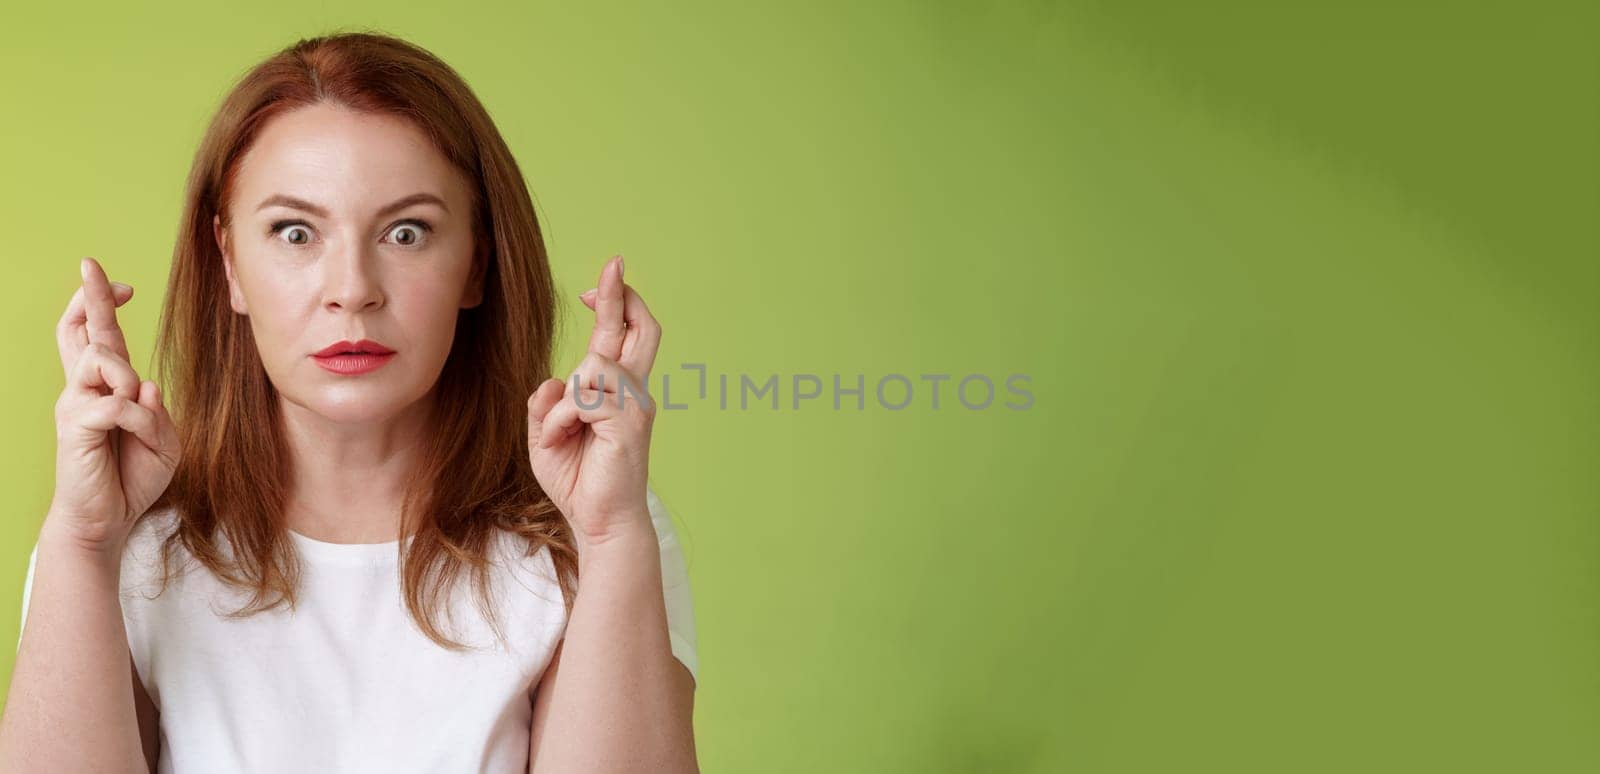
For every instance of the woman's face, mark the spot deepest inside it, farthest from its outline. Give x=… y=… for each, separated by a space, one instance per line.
x=349 y=226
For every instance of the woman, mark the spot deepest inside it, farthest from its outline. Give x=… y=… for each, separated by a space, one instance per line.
x=357 y=340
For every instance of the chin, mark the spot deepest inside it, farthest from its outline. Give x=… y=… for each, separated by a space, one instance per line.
x=354 y=403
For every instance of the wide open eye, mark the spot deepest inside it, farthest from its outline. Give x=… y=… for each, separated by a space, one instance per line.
x=294 y=232
x=410 y=233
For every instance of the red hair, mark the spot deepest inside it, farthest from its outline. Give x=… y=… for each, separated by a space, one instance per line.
x=473 y=479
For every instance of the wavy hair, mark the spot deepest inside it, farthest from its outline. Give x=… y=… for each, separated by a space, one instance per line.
x=473 y=479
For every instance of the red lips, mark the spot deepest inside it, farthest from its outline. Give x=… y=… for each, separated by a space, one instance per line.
x=362 y=347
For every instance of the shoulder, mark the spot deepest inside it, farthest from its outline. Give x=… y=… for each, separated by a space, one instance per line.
x=661 y=519
x=674 y=567
x=525 y=568
x=152 y=528
x=142 y=555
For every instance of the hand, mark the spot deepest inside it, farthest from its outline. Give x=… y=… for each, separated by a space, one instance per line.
x=594 y=462
x=116 y=446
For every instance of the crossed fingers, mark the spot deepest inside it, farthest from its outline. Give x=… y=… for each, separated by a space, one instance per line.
x=624 y=329
x=91 y=318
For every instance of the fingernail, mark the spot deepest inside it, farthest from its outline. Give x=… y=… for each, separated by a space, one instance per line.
x=83 y=268
x=619 y=265
x=121 y=286
x=589 y=291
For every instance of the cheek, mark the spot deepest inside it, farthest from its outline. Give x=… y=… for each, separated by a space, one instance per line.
x=428 y=308
x=278 y=301
x=428 y=300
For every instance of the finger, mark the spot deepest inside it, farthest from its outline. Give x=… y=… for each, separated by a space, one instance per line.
x=642 y=339
x=606 y=375
x=141 y=419
x=72 y=335
x=609 y=322
x=166 y=435
x=100 y=368
x=568 y=417
x=544 y=397
x=109 y=412
x=101 y=309
x=561 y=422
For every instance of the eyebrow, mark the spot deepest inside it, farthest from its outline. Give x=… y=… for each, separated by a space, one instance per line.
x=284 y=200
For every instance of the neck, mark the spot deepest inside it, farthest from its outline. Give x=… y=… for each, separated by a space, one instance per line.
x=348 y=479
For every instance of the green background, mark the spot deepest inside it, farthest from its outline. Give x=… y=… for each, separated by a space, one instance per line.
x=1307 y=299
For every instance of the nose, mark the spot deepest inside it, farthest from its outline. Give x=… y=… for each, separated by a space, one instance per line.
x=350 y=280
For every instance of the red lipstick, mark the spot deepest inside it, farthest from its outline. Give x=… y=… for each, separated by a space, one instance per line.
x=353 y=358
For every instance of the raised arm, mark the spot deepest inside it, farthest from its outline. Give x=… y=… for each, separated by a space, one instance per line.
x=614 y=698
x=72 y=705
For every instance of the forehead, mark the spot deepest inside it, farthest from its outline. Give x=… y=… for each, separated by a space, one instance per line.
x=343 y=159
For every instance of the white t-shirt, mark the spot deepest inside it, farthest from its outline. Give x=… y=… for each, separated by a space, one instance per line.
x=347 y=682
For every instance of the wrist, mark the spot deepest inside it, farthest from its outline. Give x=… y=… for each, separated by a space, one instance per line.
x=60 y=537
x=625 y=537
